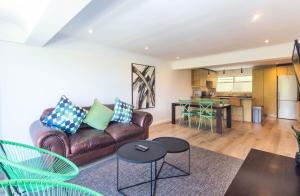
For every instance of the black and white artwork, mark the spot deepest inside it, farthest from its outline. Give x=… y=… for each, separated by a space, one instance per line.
x=143 y=86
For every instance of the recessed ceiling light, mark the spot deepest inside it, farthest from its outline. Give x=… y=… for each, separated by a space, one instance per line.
x=178 y=57
x=91 y=31
x=267 y=41
x=255 y=17
x=146 y=47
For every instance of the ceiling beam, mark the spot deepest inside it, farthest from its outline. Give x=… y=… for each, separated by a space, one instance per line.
x=279 y=51
x=56 y=15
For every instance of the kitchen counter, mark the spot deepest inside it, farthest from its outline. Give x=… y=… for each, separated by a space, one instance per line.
x=246 y=102
x=223 y=97
x=241 y=97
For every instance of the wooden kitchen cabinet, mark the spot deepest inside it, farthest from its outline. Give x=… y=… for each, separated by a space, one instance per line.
x=270 y=91
x=258 y=87
x=282 y=70
x=264 y=86
x=195 y=77
x=213 y=78
x=200 y=76
x=291 y=70
x=203 y=77
x=285 y=70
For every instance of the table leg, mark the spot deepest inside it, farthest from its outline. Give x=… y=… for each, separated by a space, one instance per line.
x=189 y=161
x=219 y=120
x=151 y=178
x=152 y=181
x=173 y=113
x=117 y=173
x=228 y=116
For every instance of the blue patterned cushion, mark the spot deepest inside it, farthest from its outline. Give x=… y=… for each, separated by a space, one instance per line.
x=65 y=116
x=122 y=112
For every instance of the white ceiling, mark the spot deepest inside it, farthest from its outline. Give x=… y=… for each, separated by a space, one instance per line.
x=35 y=22
x=17 y=18
x=170 y=29
x=186 y=28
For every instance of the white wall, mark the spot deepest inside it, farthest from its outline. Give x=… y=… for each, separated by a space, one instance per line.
x=33 y=78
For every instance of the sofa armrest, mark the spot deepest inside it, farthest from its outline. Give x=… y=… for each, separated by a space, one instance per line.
x=49 y=139
x=142 y=119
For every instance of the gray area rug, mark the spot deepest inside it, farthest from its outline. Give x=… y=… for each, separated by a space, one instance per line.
x=211 y=174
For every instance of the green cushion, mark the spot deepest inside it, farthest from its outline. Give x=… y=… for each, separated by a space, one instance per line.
x=99 y=116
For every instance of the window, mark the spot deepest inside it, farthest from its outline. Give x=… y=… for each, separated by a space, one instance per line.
x=234 y=84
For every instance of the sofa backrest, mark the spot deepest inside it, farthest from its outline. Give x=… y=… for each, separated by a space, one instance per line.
x=48 y=110
x=83 y=125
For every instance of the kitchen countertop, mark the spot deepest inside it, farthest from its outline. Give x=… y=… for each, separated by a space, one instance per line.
x=241 y=97
x=224 y=97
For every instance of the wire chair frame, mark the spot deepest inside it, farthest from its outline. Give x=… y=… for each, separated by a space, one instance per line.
x=39 y=187
x=21 y=161
x=206 y=112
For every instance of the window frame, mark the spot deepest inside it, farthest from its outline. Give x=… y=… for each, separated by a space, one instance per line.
x=234 y=82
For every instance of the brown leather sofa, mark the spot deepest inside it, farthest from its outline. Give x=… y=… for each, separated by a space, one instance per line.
x=88 y=144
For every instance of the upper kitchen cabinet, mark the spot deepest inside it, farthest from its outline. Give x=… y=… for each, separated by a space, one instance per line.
x=195 y=77
x=200 y=78
x=285 y=70
x=212 y=77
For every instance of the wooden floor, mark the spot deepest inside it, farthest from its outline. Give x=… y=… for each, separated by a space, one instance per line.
x=274 y=135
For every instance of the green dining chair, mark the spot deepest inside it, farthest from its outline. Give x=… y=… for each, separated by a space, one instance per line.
x=185 y=111
x=206 y=112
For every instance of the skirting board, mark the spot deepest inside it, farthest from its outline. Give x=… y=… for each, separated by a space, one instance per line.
x=159 y=122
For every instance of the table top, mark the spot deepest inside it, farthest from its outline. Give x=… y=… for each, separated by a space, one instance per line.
x=196 y=104
x=264 y=173
x=128 y=153
x=173 y=144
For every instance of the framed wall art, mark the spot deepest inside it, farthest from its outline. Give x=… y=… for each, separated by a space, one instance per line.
x=143 y=86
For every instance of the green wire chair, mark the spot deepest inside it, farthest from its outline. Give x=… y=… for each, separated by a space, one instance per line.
x=206 y=113
x=21 y=161
x=29 y=187
x=185 y=111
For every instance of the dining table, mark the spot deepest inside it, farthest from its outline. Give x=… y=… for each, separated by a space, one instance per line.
x=218 y=107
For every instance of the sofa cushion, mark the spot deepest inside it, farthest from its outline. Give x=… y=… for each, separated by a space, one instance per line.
x=89 y=139
x=121 y=131
x=65 y=116
x=122 y=112
x=98 y=116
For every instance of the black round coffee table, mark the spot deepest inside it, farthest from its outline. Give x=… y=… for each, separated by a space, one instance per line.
x=129 y=153
x=174 y=145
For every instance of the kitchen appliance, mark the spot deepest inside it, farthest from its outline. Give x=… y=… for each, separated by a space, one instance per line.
x=287 y=96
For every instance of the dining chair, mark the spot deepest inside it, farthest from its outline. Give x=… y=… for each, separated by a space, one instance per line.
x=206 y=112
x=185 y=111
